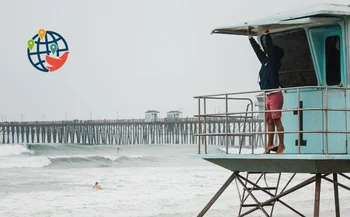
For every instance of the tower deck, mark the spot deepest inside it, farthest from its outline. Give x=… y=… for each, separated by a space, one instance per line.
x=286 y=163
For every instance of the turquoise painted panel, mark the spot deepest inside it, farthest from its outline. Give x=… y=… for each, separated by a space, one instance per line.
x=336 y=98
x=336 y=122
x=290 y=121
x=311 y=121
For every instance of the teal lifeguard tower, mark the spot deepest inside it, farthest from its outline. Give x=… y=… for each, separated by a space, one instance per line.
x=315 y=85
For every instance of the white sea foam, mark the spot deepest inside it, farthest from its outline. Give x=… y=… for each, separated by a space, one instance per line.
x=9 y=150
x=24 y=162
x=154 y=190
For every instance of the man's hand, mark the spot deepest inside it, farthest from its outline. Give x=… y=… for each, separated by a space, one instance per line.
x=249 y=32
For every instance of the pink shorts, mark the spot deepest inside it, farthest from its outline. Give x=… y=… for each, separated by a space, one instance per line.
x=274 y=101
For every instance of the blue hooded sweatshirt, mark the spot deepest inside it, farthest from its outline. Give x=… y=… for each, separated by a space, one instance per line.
x=270 y=63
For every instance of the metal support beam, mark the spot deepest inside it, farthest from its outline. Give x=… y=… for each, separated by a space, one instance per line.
x=291 y=190
x=345 y=176
x=272 y=196
x=337 y=183
x=277 y=186
x=258 y=206
x=317 y=195
x=336 y=195
x=244 y=198
x=217 y=195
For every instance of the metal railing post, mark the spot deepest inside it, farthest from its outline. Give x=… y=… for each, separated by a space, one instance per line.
x=346 y=120
x=226 y=131
x=205 y=126
x=253 y=128
x=326 y=118
x=265 y=135
x=298 y=110
x=199 y=125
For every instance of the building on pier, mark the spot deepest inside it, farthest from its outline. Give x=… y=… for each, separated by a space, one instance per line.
x=173 y=114
x=151 y=116
x=260 y=105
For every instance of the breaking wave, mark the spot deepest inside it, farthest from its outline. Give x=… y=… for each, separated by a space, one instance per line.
x=11 y=150
x=65 y=156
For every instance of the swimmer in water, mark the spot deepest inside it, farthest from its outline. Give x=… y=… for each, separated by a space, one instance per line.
x=97 y=187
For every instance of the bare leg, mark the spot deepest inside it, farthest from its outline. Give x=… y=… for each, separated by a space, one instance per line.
x=280 y=128
x=271 y=128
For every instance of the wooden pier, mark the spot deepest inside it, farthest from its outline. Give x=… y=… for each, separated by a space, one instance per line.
x=127 y=132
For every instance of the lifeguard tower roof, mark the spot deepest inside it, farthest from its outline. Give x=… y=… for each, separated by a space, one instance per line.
x=290 y=19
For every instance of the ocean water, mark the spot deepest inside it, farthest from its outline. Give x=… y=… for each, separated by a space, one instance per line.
x=137 y=181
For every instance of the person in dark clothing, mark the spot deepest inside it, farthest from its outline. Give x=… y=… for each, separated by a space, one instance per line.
x=270 y=58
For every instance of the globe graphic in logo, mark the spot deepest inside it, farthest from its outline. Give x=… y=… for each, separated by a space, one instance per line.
x=47 y=51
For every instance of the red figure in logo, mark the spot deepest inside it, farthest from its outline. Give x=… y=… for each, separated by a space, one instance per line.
x=56 y=63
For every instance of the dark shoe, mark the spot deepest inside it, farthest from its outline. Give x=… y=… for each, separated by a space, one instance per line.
x=268 y=149
x=275 y=149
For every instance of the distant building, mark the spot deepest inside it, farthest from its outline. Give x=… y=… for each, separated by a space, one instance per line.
x=173 y=114
x=151 y=115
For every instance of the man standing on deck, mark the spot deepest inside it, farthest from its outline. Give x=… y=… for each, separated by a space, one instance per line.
x=270 y=59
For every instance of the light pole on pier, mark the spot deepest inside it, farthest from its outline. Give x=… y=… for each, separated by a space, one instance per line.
x=65 y=115
x=117 y=114
x=90 y=115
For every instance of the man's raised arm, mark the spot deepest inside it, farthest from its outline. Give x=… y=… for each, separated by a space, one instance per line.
x=269 y=44
x=259 y=53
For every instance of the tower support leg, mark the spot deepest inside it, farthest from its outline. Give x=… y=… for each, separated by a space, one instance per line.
x=218 y=194
x=336 y=194
x=277 y=198
x=317 y=195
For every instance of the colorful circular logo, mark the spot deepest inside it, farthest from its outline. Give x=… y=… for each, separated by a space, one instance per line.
x=47 y=51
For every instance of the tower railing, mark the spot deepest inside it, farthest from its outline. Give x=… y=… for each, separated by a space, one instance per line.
x=202 y=115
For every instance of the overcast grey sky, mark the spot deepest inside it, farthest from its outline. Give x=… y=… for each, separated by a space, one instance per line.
x=127 y=55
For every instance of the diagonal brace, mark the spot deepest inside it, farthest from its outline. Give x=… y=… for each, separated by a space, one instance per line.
x=218 y=194
x=291 y=190
x=252 y=195
x=272 y=196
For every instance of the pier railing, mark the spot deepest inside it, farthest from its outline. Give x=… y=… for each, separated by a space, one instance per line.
x=120 y=131
x=116 y=121
x=203 y=116
x=103 y=121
